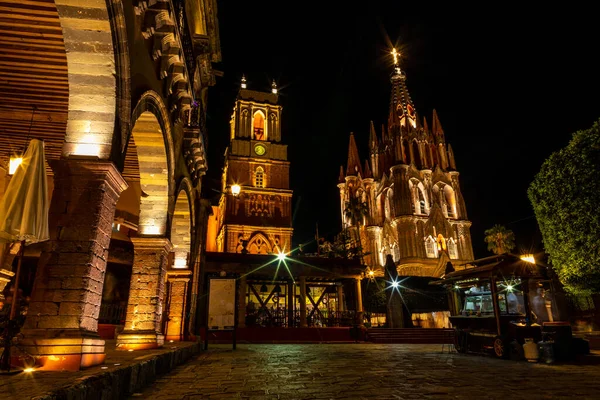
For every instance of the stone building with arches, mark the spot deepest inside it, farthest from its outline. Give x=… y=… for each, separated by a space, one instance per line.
x=118 y=93
x=410 y=191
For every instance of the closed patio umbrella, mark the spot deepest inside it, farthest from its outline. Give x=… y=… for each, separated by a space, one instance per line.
x=24 y=216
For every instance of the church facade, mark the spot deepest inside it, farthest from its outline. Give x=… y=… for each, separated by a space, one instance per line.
x=254 y=211
x=405 y=200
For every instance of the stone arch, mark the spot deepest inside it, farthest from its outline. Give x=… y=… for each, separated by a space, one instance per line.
x=259 y=244
x=181 y=227
x=152 y=137
x=95 y=41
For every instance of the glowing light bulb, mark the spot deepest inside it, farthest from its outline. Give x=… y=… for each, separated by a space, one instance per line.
x=236 y=189
x=395 y=284
x=28 y=370
x=281 y=256
x=14 y=164
x=509 y=287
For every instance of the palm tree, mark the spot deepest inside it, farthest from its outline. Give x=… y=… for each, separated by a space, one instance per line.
x=356 y=211
x=499 y=239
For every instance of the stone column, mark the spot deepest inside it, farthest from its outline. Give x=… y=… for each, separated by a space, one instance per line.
x=359 y=303
x=303 y=323
x=241 y=323
x=178 y=283
x=146 y=294
x=62 y=321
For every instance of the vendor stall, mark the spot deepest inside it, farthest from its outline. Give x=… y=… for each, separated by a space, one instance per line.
x=497 y=302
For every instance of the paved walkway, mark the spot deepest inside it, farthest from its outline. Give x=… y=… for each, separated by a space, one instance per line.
x=367 y=371
x=134 y=368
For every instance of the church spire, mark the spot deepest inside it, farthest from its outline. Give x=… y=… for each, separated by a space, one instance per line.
x=353 y=167
x=367 y=170
x=373 y=142
x=342 y=177
x=402 y=109
x=436 y=129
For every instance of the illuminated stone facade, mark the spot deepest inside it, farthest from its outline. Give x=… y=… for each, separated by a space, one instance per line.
x=125 y=143
x=410 y=188
x=258 y=219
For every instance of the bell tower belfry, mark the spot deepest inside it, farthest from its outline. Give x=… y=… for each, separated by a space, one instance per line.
x=255 y=206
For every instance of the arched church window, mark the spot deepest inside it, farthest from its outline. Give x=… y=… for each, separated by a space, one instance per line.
x=452 y=249
x=259 y=126
x=450 y=201
x=430 y=247
x=421 y=201
x=259 y=177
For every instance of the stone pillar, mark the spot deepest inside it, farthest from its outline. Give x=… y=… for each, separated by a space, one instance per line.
x=303 y=323
x=178 y=283
x=146 y=294
x=62 y=321
x=290 y=303
x=241 y=323
x=359 y=303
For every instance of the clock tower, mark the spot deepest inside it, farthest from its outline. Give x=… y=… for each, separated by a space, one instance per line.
x=254 y=212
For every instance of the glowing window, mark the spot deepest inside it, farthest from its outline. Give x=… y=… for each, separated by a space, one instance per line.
x=259 y=177
x=430 y=247
x=452 y=249
x=259 y=126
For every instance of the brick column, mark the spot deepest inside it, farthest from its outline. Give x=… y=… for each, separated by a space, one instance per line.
x=241 y=322
x=303 y=322
x=178 y=283
x=146 y=294
x=62 y=321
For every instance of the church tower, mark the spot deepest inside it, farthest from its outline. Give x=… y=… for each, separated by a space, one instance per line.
x=408 y=192
x=255 y=208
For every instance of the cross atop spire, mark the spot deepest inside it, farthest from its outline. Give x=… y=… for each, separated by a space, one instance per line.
x=243 y=81
x=402 y=110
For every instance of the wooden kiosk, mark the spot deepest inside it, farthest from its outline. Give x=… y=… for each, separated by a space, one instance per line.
x=497 y=300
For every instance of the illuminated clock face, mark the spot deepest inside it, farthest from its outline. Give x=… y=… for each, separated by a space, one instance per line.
x=260 y=150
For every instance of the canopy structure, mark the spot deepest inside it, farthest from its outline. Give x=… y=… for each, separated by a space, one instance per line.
x=24 y=207
x=24 y=219
x=498 y=266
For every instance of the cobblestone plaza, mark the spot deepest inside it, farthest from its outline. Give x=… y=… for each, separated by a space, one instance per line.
x=368 y=371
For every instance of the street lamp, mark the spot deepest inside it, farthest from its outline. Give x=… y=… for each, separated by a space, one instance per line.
x=236 y=189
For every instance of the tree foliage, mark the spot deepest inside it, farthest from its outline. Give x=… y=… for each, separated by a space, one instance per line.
x=565 y=195
x=499 y=239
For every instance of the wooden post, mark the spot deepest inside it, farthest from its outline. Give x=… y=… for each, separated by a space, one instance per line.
x=495 y=303
x=303 y=323
x=241 y=321
x=290 y=303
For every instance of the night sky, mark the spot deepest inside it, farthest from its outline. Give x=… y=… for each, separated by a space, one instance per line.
x=510 y=86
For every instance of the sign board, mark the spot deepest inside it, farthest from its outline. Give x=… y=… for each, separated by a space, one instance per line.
x=221 y=304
